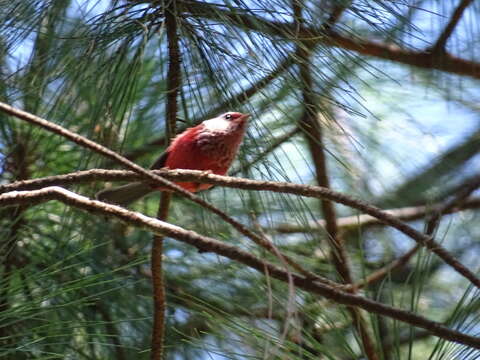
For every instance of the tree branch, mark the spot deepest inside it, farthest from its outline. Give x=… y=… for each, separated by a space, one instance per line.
x=448 y=31
x=347 y=223
x=387 y=269
x=466 y=189
x=421 y=59
x=205 y=244
x=159 y=293
x=363 y=221
x=171 y=110
x=257 y=185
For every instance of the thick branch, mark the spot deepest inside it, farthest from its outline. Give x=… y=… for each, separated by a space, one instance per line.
x=347 y=223
x=256 y=185
x=205 y=244
x=156 y=265
x=420 y=59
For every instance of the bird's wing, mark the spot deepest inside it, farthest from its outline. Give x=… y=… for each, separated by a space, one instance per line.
x=160 y=162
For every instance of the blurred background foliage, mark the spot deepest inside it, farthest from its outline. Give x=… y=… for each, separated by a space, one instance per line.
x=396 y=134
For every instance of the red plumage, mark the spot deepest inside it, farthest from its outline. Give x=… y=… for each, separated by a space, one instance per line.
x=201 y=148
x=210 y=146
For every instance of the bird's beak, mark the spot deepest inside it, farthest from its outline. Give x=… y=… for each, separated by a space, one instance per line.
x=245 y=116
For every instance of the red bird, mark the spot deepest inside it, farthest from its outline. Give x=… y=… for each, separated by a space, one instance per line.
x=212 y=146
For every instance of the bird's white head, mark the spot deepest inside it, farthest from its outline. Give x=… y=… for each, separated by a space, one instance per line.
x=227 y=122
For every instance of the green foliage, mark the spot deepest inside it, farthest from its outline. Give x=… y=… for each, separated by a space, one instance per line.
x=76 y=286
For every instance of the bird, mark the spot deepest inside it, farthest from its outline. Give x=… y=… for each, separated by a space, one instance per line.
x=210 y=146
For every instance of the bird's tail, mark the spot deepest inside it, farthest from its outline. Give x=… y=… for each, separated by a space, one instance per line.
x=124 y=195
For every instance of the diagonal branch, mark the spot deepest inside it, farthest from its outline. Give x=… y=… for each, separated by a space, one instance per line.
x=205 y=244
x=466 y=189
x=421 y=59
x=448 y=31
x=387 y=269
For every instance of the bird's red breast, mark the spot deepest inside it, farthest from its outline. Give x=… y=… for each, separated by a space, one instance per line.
x=210 y=146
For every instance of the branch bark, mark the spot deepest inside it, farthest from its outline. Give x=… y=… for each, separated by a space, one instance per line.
x=256 y=185
x=173 y=87
x=420 y=59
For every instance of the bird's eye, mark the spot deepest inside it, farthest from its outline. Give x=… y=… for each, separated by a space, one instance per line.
x=228 y=116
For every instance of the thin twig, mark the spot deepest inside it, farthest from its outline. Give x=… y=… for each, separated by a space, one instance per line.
x=205 y=244
x=355 y=222
x=464 y=191
x=387 y=269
